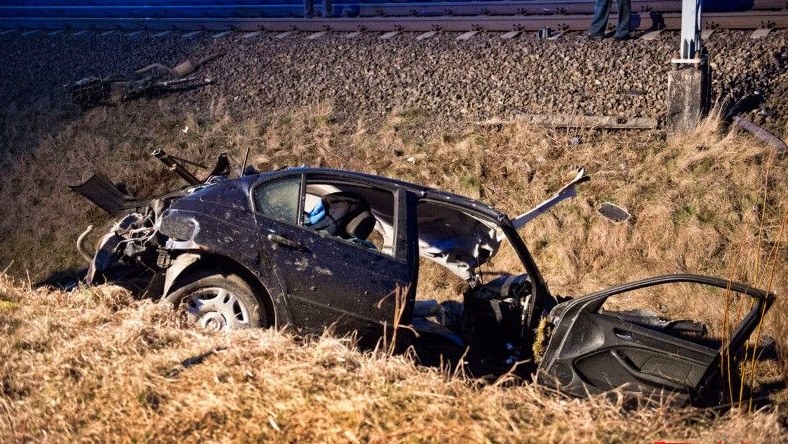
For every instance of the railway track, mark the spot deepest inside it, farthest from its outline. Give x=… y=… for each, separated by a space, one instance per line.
x=244 y=15
x=293 y=9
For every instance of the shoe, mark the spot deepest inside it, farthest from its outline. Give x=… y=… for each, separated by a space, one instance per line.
x=620 y=38
x=595 y=36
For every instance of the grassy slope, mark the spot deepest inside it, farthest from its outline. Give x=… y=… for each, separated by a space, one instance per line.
x=704 y=202
x=97 y=365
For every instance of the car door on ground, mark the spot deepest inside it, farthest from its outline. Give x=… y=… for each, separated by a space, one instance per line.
x=328 y=280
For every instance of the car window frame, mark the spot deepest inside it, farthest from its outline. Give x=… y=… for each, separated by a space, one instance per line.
x=269 y=180
x=330 y=180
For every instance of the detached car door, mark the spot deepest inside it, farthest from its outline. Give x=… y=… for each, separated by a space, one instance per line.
x=593 y=351
x=327 y=281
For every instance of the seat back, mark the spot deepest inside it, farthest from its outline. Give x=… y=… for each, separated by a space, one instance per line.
x=346 y=216
x=362 y=225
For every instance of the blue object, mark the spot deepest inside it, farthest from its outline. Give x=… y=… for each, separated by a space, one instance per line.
x=317 y=214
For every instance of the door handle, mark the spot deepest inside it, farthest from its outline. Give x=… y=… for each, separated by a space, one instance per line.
x=623 y=335
x=281 y=240
x=645 y=377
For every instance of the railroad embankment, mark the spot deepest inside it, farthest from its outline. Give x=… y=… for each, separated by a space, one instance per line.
x=454 y=81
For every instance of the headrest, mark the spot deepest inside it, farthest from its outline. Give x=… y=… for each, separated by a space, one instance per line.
x=362 y=225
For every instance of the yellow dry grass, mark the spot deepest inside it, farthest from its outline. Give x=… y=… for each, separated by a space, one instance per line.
x=96 y=365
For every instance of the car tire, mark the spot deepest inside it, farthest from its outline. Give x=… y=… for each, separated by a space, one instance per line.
x=216 y=301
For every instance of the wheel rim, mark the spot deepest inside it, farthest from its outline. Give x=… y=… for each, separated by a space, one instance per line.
x=217 y=309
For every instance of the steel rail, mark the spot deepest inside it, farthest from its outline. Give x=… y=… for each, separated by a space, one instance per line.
x=549 y=7
x=670 y=21
x=127 y=9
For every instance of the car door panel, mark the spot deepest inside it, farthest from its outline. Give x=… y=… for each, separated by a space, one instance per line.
x=326 y=280
x=593 y=351
x=332 y=281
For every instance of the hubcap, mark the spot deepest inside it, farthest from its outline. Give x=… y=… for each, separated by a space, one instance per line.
x=216 y=309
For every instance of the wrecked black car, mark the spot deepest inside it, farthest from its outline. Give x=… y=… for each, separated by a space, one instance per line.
x=312 y=248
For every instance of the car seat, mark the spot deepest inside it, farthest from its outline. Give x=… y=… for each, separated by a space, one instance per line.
x=343 y=215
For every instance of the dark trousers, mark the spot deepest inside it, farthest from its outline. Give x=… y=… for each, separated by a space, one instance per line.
x=602 y=12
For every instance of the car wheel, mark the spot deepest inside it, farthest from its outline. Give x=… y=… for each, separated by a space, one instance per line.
x=217 y=302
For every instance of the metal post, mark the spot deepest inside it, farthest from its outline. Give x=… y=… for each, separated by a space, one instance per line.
x=689 y=83
x=690 y=28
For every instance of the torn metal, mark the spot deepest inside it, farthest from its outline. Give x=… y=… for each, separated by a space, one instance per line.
x=153 y=80
x=310 y=248
x=761 y=133
x=567 y=191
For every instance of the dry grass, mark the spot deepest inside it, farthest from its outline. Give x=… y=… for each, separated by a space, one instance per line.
x=97 y=365
x=708 y=202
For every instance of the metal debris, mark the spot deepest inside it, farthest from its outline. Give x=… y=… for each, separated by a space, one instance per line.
x=579 y=121
x=760 y=133
x=159 y=79
x=613 y=213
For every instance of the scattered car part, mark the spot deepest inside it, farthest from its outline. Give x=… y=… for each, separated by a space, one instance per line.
x=182 y=69
x=93 y=91
x=613 y=212
x=593 y=351
x=760 y=133
x=579 y=121
x=567 y=191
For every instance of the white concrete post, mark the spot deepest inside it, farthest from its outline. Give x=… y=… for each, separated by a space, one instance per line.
x=689 y=83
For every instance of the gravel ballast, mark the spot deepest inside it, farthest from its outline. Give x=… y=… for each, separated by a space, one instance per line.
x=454 y=81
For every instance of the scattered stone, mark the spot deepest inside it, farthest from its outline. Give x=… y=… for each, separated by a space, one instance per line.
x=451 y=82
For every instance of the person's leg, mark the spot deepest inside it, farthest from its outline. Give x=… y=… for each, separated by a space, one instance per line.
x=601 y=12
x=624 y=18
